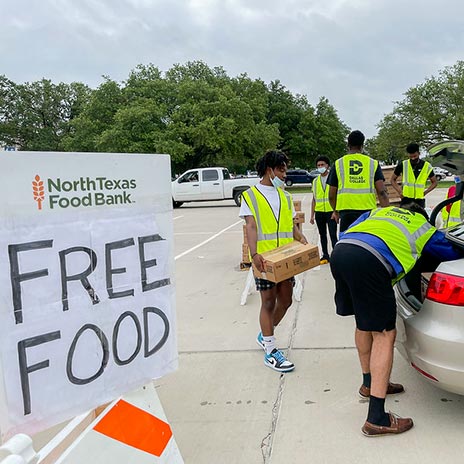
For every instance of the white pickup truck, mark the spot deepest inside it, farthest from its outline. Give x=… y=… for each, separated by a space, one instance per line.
x=209 y=184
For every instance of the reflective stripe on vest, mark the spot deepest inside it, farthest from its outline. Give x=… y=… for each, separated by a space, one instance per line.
x=321 y=196
x=271 y=232
x=355 y=174
x=452 y=218
x=405 y=233
x=412 y=187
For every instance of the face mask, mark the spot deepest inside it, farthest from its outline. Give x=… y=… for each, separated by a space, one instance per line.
x=277 y=183
x=322 y=169
x=414 y=161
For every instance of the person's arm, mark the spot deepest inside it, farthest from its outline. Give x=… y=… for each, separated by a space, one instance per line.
x=333 y=203
x=252 y=239
x=395 y=185
x=441 y=248
x=382 y=193
x=433 y=184
x=298 y=235
x=313 y=208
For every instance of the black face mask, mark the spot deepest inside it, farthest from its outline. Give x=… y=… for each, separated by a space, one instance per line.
x=414 y=161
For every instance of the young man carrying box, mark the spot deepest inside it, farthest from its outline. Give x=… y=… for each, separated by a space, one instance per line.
x=268 y=213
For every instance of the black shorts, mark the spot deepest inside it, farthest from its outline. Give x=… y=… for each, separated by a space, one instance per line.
x=263 y=284
x=363 y=287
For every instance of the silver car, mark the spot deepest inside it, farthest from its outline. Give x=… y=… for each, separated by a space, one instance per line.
x=430 y=305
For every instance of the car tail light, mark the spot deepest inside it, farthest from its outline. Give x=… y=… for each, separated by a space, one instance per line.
x=446 y=289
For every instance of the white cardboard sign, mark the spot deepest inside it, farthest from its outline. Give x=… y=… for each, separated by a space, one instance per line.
x=86 y=282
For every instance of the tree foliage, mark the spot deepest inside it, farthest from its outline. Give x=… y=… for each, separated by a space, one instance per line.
x=430 y=112
x=197 y=114
x=37 y=115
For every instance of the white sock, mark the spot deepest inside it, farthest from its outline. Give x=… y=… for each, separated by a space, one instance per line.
x=269 y=343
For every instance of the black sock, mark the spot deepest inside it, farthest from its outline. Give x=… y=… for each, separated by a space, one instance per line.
x=377 y=414
x=367 y=380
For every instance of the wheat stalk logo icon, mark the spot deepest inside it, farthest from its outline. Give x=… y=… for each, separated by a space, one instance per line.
x=38 y=191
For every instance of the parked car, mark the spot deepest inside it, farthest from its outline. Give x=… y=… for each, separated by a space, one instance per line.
x=205 y=184
x=431 y=307
x=440 y=173
x=300 y=176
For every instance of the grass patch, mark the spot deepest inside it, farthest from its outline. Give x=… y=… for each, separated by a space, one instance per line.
x=444 y=184
x=304 y=189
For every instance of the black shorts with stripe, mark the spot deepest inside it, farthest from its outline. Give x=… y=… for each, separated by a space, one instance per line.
x=263 y=284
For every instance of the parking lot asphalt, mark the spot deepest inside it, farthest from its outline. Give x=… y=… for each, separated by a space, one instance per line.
x=225 y=406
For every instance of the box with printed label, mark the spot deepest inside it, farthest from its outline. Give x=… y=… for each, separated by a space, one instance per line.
x=287 y=261
x=297 y=205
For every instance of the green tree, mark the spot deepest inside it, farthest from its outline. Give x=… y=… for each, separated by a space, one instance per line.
x=330 y=132
x=430 y=112
x=36 y=116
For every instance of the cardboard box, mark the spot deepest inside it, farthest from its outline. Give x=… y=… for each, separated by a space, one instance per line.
x=425 y=278
x=245 y=253
x=297 y=205
x=299 y=218
x=287 y=261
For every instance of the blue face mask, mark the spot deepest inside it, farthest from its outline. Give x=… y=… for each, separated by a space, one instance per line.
x=277 y=182
x=322 y=169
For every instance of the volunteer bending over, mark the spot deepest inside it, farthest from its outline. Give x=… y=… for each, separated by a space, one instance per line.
x=374 y=253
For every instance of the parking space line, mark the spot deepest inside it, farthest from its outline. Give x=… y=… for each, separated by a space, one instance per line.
x=177 y=217
x=208 y=240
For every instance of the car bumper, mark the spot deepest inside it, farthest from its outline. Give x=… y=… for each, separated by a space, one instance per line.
x=432 y=341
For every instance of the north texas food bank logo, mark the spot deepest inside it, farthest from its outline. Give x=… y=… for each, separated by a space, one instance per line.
x=83 y=191
x=38 y=191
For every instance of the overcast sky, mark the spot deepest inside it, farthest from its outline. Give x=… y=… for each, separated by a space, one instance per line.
x=360 y=54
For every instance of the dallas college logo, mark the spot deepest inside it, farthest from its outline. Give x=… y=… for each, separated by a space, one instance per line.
x=38 y=191
x=356 y=167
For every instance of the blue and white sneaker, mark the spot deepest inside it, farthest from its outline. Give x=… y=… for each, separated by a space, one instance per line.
x=277 y=361
x=260 y=341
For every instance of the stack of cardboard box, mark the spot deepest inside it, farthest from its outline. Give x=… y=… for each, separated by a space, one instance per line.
x=392 y=193
x=299 y=219
x=246 y=261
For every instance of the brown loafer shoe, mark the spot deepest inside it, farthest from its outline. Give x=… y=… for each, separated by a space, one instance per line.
x=392 y=389
x=397 y=425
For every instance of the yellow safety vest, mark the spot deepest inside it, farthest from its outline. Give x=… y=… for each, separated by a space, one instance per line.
x=356 y=188
x=321 y=195
x=412 y=187
x=453 y=218
x=405 y=233
x=272 y=231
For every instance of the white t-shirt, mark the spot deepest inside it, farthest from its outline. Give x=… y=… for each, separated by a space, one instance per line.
x=271 y=195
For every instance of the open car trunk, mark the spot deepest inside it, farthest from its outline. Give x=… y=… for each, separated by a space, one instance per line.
x=450 y=156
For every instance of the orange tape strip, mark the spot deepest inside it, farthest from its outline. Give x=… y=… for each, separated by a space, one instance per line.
x=135 y=427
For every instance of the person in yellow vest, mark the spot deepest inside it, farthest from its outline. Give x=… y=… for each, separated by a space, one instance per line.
x=353 y=183
x=369 y=258
x=414 y=172
x=268 y=212
x=321 y=210
x=452 y=214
